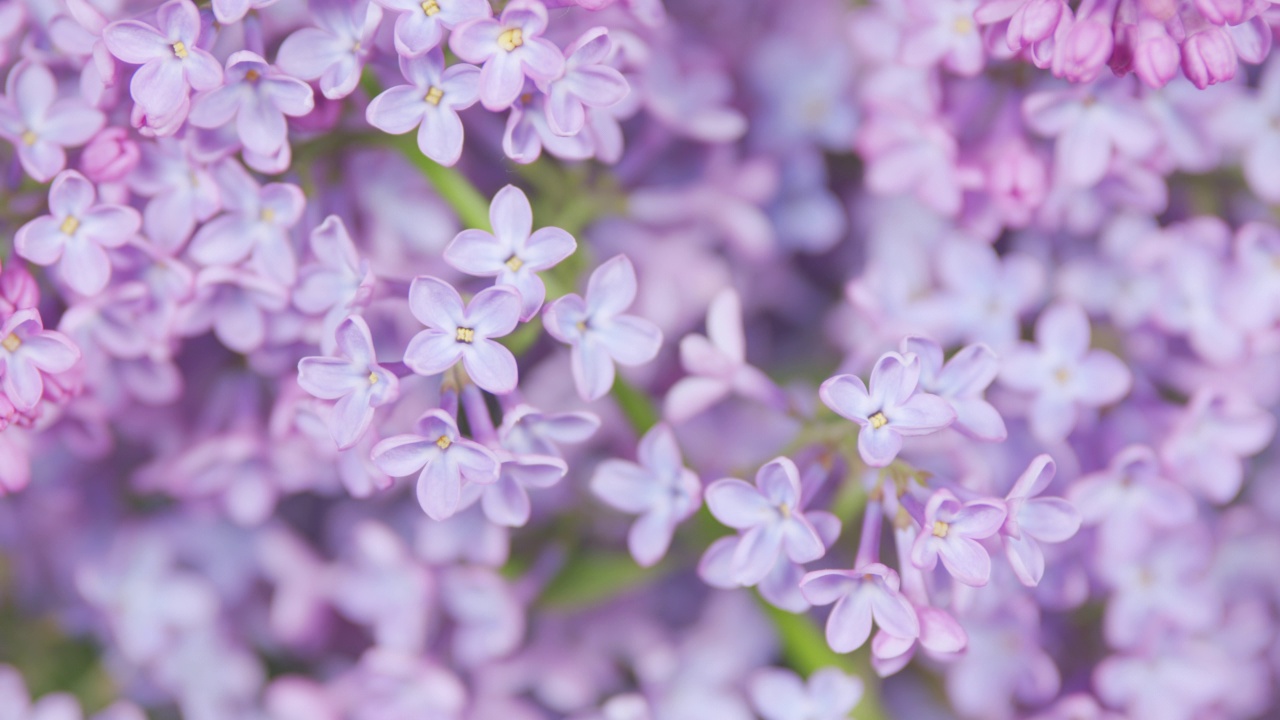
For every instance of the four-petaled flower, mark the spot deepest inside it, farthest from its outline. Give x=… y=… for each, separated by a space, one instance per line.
x=431 y=104
x=599 y=331
x=659 y=489
x=172 y=65
x=510 y=47
x=951 y=531
x=961 y=382
x=257 y=97
x=510 y=252
x=442 y=459
x=355 y=380
x=890 y=410
x=506 y=502
x=587 y=83
x=830 y=694
x=256 y=222
x=333 y=53
x=1033 y=520
x=27 y=351
x=770 y=515
x=75 y=233
x=866 y=593
x=39 y=125
x=421 y=23
x=457 y=332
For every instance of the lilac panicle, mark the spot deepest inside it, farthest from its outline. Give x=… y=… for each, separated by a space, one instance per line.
x=598 y=329
x=441 y=459
x=890 y=410
x=463 y=333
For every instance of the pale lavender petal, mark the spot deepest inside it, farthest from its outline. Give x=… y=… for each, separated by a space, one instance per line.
x=436 y=304
x=1051 y=520
x=440 y=137
x=757 y=552
x=649 y=538
x=879 y=446
x=921 y=414
x=629 y=339
x=625 y=486
x=85 y=266
x=330 y=378
x=431 y=352
x=397 y=110
x=593 y=371
x=737 y=504
x=847 y=395
x=490 y=365
x=439 y=488
x=966 y=560
x=611 y=288
x=511 y=217
x=849 y=624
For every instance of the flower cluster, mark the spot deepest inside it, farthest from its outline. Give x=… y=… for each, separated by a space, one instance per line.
x=621 y=360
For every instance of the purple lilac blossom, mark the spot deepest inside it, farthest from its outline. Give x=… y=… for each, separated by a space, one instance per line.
x=463 y=333
x=509 y=48
x=430 y=103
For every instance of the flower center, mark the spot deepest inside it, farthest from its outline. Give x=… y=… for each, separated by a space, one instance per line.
x=785 y=510
x=430 y=7
x=29 y=138
x=514 y=263
x=12 y=343
x=1062 y=375
x=70 y=225
x=443 y=442
x=252 y=76
x=510 y=39
x=434 y=95
x=878 y=420
x=940 y=528
x=180 y=49
x=465 y=335
x=373 y=378
x=962 y=26
x=268 y=215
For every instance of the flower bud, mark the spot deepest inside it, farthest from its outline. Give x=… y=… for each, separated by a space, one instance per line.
x=1155 y=54
x=1208 y=57
x=109 y=156
x=1033 y=22
x=1081 y=56
x=18 y=290
x=1222 y=12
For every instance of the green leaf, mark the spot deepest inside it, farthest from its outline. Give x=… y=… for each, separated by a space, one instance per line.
x=595 y=577
x=635 y=405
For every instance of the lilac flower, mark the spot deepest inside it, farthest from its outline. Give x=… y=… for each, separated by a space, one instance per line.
x=27 y=353
x=769 y=513
x=229 y=12
x=339 y=282
x=234 y=303
x=1089 y=126
x=431 y=104
x=258 y=98
x=172 y=65
x=779 y=694
x=510 y=252
x=947 y=34
x=355 y=380
x=861 y=595
x=718 y=366
x=442 y=459
x=529 y=431
x=1207 y=445
x=110 y=156
x=335 y=52
x=528 y=132
x=75 y=233
x=659 y=489
x=181 y=189
x=1032 y=520
x=420 y=25
x=1131 y=501
x=510 y=48
x=1063 y=372
x=456 y=332
x=951 y=530
x=961 y=382
x=39 y=125
x=256 y=223
x=18 y=706
x=587 y=83
x=599 y=331
x=890 y=410
x=506 y=502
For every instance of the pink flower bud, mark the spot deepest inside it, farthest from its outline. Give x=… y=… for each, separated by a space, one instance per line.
x=18 y=290
x=1222 y=12
x=109 y=156
x=1081 y=56
x=1155 y=54
x=1018 y=183
x=1033 y=22
x=1208 y=57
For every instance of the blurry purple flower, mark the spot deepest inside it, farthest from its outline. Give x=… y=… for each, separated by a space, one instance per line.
x=335 y=52
x=587 y=82
x=1063 y=372
x=951 y=530
x=861 y=595
x=442 y=459
x=717 y=365
x=510 y=252
x=527 y=430
x=27 y=352
x=770 y=515
x=1206 y=448
x=945 y=32
x=1163 y=592
x=39 y=125
x=1090 y=124
x=1208 y=57
x=339 y=282
x=489 y=620
x=234 y=303
x=355 y=380
x=79 y=35
x=18 y=706
x=510 y=48
x=779 y=694
x=891 y=410
x=110 y=156
x=182 y=192
x=986 y=294
x=394 y=684
x=528 y=132
x=599 y=331
x=1033 y=520
x=506 y=502
x=1131 y=501
x=431 y=104
x=961 y=382
x=457 y=332
x=420 y=25
x=229 y=12
x=659 y=489
x=171 y=63
x=258 y=98
x=256 y=222
x=384 y=587
x=76 y=232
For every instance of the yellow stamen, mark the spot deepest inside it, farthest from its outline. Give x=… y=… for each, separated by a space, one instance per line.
x=514 y=263
x=1062 y=375
x=962 y=26
x=465 y=335
x=252 y=76
x=70 y=225
x=268 y=215
x=434 y=95
x=511 y=39
x=940 y=528
x=785 y=510
x=430 y=7
x=878 y=420
x=373 y=378
x=29 y=138
x=12 y=343
x=180 y=50
x=443 y=442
